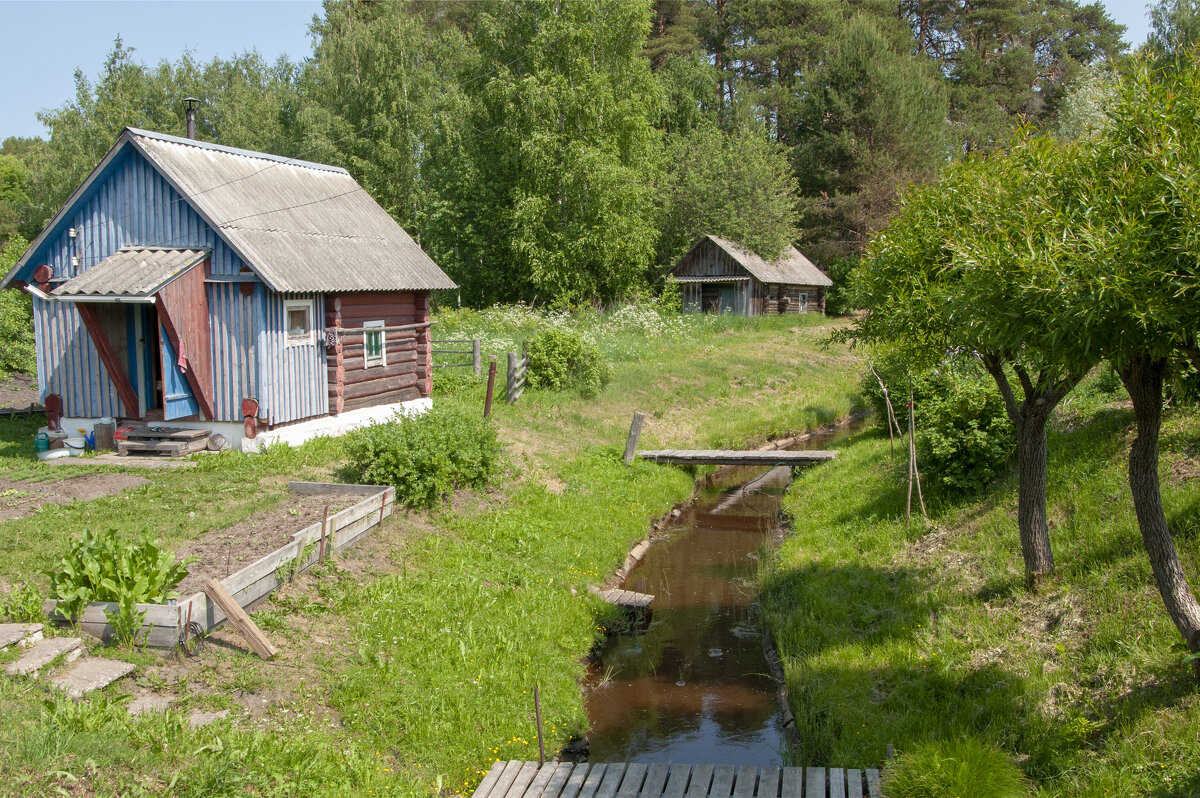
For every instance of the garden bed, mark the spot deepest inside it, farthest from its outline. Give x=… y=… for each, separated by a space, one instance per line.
x=167 y=625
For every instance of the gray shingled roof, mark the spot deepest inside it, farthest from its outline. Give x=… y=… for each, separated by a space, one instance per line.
x=301 y=226
x=791 y=269
x=133 y=271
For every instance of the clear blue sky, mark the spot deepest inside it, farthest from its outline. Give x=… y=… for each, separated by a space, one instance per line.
x=45 y=41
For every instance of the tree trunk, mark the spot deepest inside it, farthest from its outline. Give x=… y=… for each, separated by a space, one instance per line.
x=1143 y=378
x=1031 y=495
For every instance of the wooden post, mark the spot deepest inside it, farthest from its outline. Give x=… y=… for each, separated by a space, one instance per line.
x=324 y=526
x=475 y=356
x=491 y=386
x=537 y=711
x=511 y=383
x=240 y=620
x=635 y=432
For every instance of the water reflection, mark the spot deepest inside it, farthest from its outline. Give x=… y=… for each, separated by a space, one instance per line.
x=693 y=687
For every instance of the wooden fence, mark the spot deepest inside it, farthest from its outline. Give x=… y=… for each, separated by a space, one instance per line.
x=518 y=368
x=12 y=412
x=476 y=359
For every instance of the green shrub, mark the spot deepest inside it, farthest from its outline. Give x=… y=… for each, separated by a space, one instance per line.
x=561 y=360
x=965 y=768
x=22 y=604
x=427 y=457
x=105 y=568
x=964 y=436
x=837 y=299
x=16 y=319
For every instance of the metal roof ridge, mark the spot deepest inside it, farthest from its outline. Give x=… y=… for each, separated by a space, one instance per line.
x=208 y=145
x=335 y=236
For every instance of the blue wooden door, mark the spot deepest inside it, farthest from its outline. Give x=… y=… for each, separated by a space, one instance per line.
x=728 y=295
x=178 y=399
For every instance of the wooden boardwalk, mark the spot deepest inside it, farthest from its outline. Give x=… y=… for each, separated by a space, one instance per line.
x=756 y=457
x=623 y=598
x=515 y=779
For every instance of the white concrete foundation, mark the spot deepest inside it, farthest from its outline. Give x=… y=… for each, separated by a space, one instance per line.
x=333 y=426
x=291 y=434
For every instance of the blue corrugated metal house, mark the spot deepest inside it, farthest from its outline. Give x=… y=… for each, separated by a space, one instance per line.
x=183 y=278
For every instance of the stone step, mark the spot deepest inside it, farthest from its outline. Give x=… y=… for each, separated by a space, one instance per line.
x=21 y=634
x=43 y=653
x=91 y=674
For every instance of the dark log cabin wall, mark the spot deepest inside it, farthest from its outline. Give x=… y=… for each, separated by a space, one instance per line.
x=406 y=371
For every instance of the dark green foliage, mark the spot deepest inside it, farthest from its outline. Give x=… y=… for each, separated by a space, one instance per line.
x=837 y=297
x=22 y=604
x=964 y=437
x=962 y=767
x=16 y=318
x=560 y=360
x=426 y=458
x=104 y=567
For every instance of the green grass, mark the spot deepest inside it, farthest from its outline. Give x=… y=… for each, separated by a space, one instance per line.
x=892 y=635
x=431 y=648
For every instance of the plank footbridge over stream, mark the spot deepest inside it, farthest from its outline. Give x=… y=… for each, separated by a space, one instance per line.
x=515 y=779
x=756 y=457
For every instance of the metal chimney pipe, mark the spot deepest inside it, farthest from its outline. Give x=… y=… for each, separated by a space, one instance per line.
x=192 y=102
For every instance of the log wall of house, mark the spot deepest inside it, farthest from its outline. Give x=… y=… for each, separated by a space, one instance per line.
x=405 y=373
x=768 y=298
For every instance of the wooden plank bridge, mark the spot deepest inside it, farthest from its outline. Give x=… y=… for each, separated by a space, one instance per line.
x=727 y=457
x=623 y=598
x=515 y=779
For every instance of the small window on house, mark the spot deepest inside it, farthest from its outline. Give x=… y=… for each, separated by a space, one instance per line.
x=374 y=351
x=298 y=315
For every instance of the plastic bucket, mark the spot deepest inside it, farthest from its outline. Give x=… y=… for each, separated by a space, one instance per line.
x=76 y=445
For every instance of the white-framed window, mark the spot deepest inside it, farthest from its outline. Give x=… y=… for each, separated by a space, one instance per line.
x=298 y=319
x=803 y=302
x=374 y=345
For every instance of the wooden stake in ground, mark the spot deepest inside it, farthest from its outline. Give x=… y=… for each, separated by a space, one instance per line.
x=240 y=620
x=891 y=414
x=635 y=432
x=324 y=526
x=912 y=429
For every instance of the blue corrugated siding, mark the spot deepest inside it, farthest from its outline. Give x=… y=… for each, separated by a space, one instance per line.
x=131 y=204
x=294 y=380
x=233 y=331
x=69 y=365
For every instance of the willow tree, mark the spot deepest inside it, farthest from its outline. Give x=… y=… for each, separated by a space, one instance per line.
x=1136 y=288
x=972 y=265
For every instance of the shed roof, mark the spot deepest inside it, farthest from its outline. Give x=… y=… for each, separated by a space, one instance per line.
x=132 y=272
x=301 y=226
x=791 y=269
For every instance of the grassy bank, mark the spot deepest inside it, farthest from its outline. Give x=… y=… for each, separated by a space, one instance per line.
x=891 y=635
x=410 y=665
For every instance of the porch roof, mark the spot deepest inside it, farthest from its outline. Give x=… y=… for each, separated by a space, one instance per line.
x=712 y=278
x=131 y=272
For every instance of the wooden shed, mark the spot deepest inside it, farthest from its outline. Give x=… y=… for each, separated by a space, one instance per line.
x=720 y=276
x=190 y=282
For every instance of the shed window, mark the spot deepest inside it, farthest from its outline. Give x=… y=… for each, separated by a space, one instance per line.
x=803 y=302
x=298 y=314
x=374 y=351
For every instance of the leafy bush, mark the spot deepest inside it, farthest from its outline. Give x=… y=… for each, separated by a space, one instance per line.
x=426 y=457
x=838 y=301
x=965 y=767
x=105 y=568
x=16 y=319
x=964 y=436
x=22 y=604
x=561 y=360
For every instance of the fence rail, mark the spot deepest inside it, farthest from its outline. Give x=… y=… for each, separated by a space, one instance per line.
x=12 y=412
x=518 y=368
x=476 y=359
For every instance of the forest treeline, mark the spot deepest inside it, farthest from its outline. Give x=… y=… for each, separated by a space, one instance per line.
x=568 y=152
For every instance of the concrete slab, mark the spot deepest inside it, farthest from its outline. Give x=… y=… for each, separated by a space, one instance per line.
x=91 y=674
x=151 y=702
x=199 y=719
x=42 y=654
x=24 y=634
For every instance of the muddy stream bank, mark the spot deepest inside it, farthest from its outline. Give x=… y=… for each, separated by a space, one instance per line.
x=692 y=685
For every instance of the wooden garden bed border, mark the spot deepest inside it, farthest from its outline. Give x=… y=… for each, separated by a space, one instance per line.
x=164 y=623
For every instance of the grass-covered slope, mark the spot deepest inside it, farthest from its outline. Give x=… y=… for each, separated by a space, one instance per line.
x=895 y=635
x=411 y=665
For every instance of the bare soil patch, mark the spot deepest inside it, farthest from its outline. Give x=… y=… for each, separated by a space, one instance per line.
x=221 y=552
x=19 y=498
x=19 y=391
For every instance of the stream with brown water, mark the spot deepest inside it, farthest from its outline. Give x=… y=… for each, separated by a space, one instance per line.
x=693 y=685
